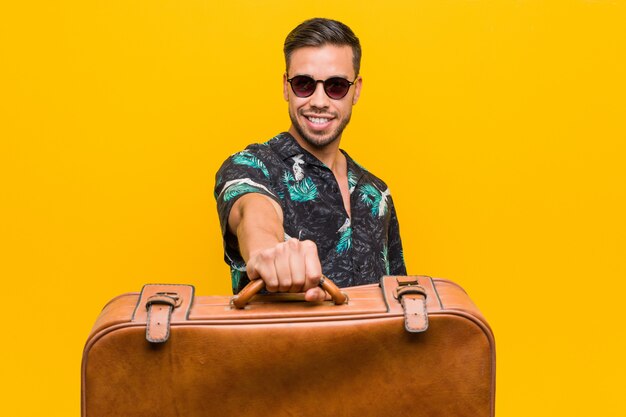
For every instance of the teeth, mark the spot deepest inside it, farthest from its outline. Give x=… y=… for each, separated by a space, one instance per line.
x=318 y=120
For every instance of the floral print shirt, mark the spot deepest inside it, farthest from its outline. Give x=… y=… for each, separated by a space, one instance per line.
x=353 y=250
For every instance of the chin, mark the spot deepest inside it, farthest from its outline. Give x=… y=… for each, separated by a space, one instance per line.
x=316 y=139
x=319 y=142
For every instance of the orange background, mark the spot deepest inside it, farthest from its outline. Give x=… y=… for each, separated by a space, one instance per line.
x=498 y=125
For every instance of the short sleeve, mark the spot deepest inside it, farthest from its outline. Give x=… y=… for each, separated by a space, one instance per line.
x=396 y=255
x=241 y=174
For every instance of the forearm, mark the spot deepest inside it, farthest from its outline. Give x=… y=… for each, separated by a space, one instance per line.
x=257 y=222
x=291 y=265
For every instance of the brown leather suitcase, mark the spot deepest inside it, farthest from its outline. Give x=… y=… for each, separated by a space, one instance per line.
x=167 y=353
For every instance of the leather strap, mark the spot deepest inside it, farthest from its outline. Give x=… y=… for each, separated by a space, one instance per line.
x=412 y=297
x=160 y=307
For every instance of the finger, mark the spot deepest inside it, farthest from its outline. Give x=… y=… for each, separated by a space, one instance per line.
x=252 y=271
x=313 y=268
x=315 y=295
x=281 y=264
x=296 y=265
x=263 y=267
x=268 y=275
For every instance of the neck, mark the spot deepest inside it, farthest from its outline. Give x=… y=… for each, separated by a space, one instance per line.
x=329 y=154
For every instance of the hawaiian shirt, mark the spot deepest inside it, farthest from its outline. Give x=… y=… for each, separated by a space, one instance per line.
x=353 y=250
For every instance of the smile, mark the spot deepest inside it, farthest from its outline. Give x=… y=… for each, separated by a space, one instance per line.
x=318 y=120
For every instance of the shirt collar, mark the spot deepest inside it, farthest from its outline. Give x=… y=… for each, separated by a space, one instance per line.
x=286 y=146
x=357 y=170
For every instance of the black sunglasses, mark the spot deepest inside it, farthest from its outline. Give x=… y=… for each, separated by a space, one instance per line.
x=335 y=87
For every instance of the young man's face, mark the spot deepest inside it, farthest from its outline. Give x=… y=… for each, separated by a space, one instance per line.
x=318 y=119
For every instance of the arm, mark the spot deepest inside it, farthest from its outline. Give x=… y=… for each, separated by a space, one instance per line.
x=396 y=256
x=291 y=266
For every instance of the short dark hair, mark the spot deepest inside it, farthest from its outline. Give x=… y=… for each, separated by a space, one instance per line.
x=319 y=32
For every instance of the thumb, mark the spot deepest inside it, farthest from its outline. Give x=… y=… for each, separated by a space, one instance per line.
x=315 y=294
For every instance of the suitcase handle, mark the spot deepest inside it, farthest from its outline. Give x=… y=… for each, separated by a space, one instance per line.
x=240 y=300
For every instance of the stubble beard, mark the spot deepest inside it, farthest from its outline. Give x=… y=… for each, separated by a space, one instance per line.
x=318 y=142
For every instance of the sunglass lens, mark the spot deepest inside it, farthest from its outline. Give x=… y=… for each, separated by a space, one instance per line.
x=303 y=86
x=336 y=88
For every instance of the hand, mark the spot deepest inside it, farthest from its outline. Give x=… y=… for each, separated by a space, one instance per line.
x=291 y=266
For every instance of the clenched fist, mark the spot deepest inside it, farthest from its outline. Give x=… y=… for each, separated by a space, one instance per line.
x=291 y=266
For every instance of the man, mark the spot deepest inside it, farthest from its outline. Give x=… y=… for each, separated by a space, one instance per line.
x=297 y=206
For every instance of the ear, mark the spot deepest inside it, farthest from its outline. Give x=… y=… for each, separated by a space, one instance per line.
x=285 y=87
x=357 y=90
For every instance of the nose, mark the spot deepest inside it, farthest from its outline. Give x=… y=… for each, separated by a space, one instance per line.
x=319 y=98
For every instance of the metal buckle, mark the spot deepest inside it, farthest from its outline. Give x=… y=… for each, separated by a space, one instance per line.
x=178 y=300
x=404 y=282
